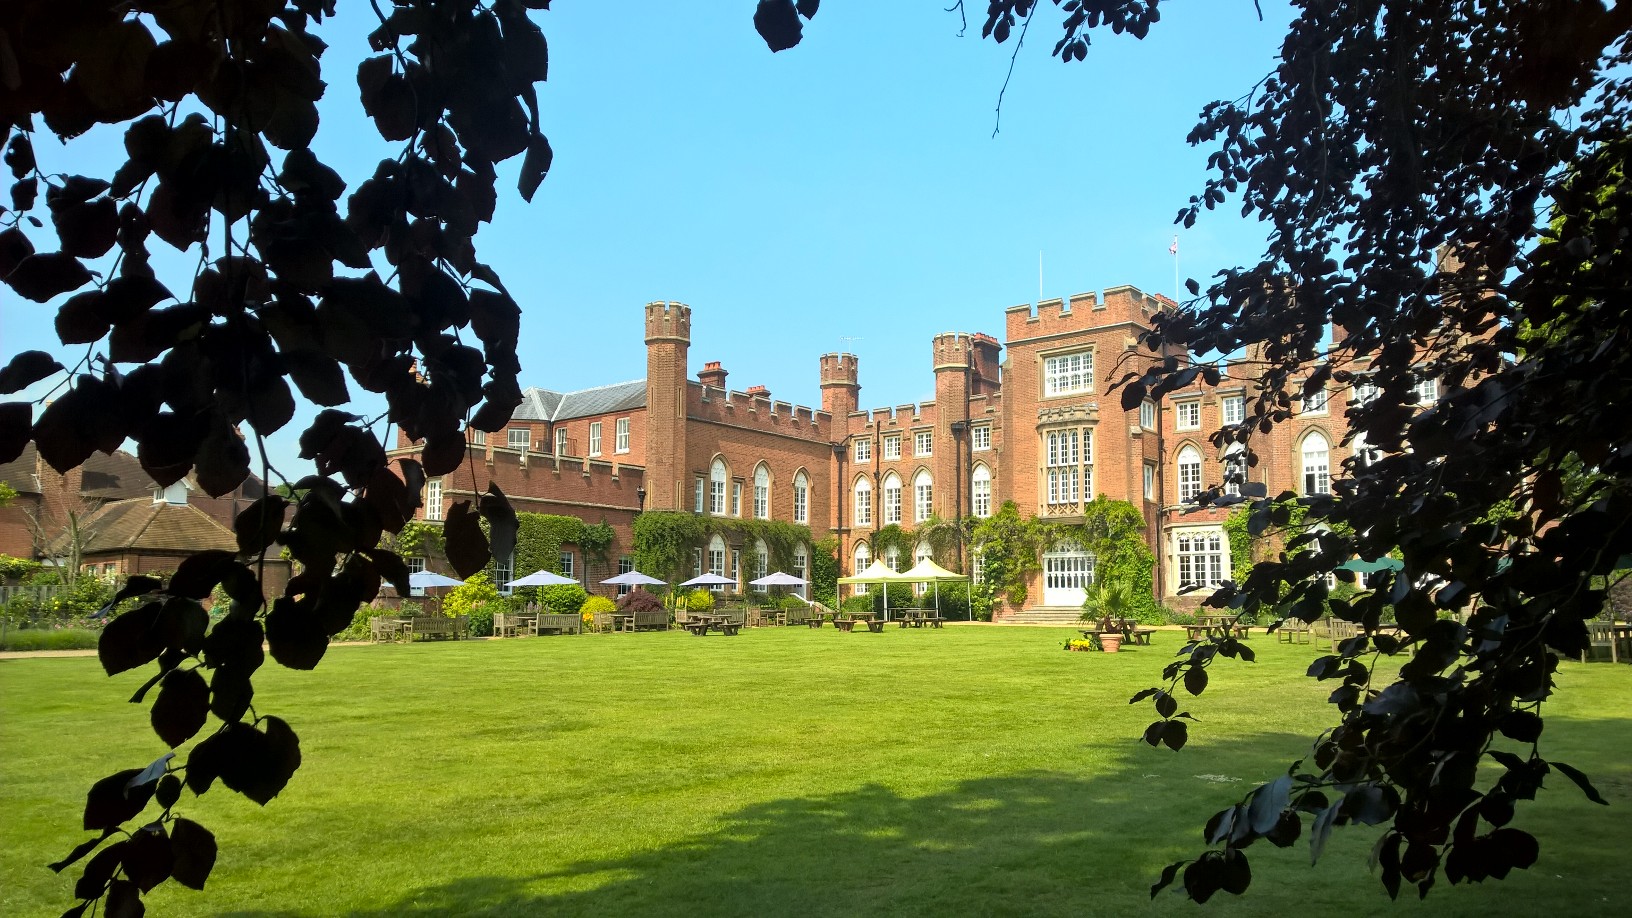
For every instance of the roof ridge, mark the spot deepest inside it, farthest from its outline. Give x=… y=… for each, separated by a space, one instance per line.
x=137 y=537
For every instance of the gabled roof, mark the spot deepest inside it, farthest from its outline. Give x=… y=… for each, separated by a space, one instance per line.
x=544 y=405
x=107 y=476
x=143 y=524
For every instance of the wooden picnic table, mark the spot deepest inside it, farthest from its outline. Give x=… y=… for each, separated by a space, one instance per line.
x=848 y=623
x=699 y=625
x=918 y=618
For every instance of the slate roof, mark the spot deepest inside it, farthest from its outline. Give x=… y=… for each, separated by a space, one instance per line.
x=116 y=476
x=544 y=405
x=108 y=477
x=142 y=524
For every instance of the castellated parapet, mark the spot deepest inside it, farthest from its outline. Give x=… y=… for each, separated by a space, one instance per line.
x=1083 y=311
x=668 y=322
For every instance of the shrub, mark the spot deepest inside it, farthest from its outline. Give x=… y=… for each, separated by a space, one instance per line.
x=700 y=601
x=26 y=639
x=791 y=603
x=596 y=604
x=479 y=620
x=954 y=601
x=359 y=629
x=1176 y=617
x=639 y=601
x=858 y=605
x=565 y=599
x=477 y=590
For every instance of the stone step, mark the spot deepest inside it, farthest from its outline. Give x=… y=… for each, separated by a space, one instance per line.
x=1046 y=615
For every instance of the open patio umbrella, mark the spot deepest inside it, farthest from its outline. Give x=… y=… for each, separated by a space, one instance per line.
x=927 y=571
x=541 y=578
x=633 y=578
x=777 y=579
x=1361 y=566
x=705 y=580
x=424 y=579
x=878 y=572
x=431 y=580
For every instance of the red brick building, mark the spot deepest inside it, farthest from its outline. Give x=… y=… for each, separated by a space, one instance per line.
x=1035 y=426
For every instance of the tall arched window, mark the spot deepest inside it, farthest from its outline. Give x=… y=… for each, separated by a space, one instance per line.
x=864 y=502
x=717 y=478
x=923 y=496
x=801 y=565
x=801 y=498
x=1235 y=468
x=980 y=491
x=1317 y=464
x=892 y=499
x=762 y=492
x=921 y=553
x=762 y=563
x=1189 y=474
x=716 y=558
x=863 y=557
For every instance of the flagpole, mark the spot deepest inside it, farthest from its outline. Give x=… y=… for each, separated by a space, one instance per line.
x=1174 y=248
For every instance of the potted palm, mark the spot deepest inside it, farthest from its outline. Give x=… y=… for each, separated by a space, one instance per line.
x=1107 y=603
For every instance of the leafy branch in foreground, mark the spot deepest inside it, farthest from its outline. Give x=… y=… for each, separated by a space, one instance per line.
x=218 y=102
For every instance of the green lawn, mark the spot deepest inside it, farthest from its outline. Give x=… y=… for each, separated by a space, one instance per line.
x=971 y=770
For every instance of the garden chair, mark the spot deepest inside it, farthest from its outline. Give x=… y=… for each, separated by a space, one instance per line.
x=1601 y=636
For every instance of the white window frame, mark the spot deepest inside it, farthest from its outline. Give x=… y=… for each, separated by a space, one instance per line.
x=504 y=572
x=595 y=438
x=864 y=449
x=522 y=442
x=923 y=496
x=1201 y=557
x=980 y=491
x=890 y=499
x=1187 y=414
x=566 y=561
x=923 y=443
x=736 y=498
x=718 y=476
x=1150 y=481
x=1426 y=391
x=1316 y=401
x=801 y=497
x=1189 y=476
x=560 y=441
x=980 y=438
x=801 y=564
x=977 y=565
x=762 y=492
x=626 y=564
x=892 y=447
x=621 y=432
x=478 y=437
x=861 y=494
x=861 y=557
x=699 y=483
x=433 y=499
x=716 y=560
x=762 y=563
x=1235 y=466
x=415 y=566
x=1062 y=464
x=1315 y=463
x=892 y=558
x=1233 y=409
x=1147 y=414
x=1068 y=374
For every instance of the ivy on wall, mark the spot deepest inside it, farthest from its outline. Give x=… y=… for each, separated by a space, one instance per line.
x=665 y=540
x=1011 y=548
x=824 y=572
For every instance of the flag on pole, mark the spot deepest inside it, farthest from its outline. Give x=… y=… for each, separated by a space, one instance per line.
x=1174 y=248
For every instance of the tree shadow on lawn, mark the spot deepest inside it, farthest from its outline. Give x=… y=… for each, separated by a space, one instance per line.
x=1034 y=842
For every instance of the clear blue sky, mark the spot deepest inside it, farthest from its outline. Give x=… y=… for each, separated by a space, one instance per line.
x=848 y=188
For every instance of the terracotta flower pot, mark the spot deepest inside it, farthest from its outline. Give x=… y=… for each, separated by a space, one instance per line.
x=1111 y=643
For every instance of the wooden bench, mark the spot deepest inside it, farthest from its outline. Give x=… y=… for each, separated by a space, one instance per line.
x=558 y=623
x=656 y=620
x=438 y=626
x=1293 y=631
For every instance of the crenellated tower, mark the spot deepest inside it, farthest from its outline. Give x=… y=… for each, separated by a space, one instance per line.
x=668 y=338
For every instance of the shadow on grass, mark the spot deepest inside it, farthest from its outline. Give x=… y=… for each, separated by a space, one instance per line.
x=1028 y=843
